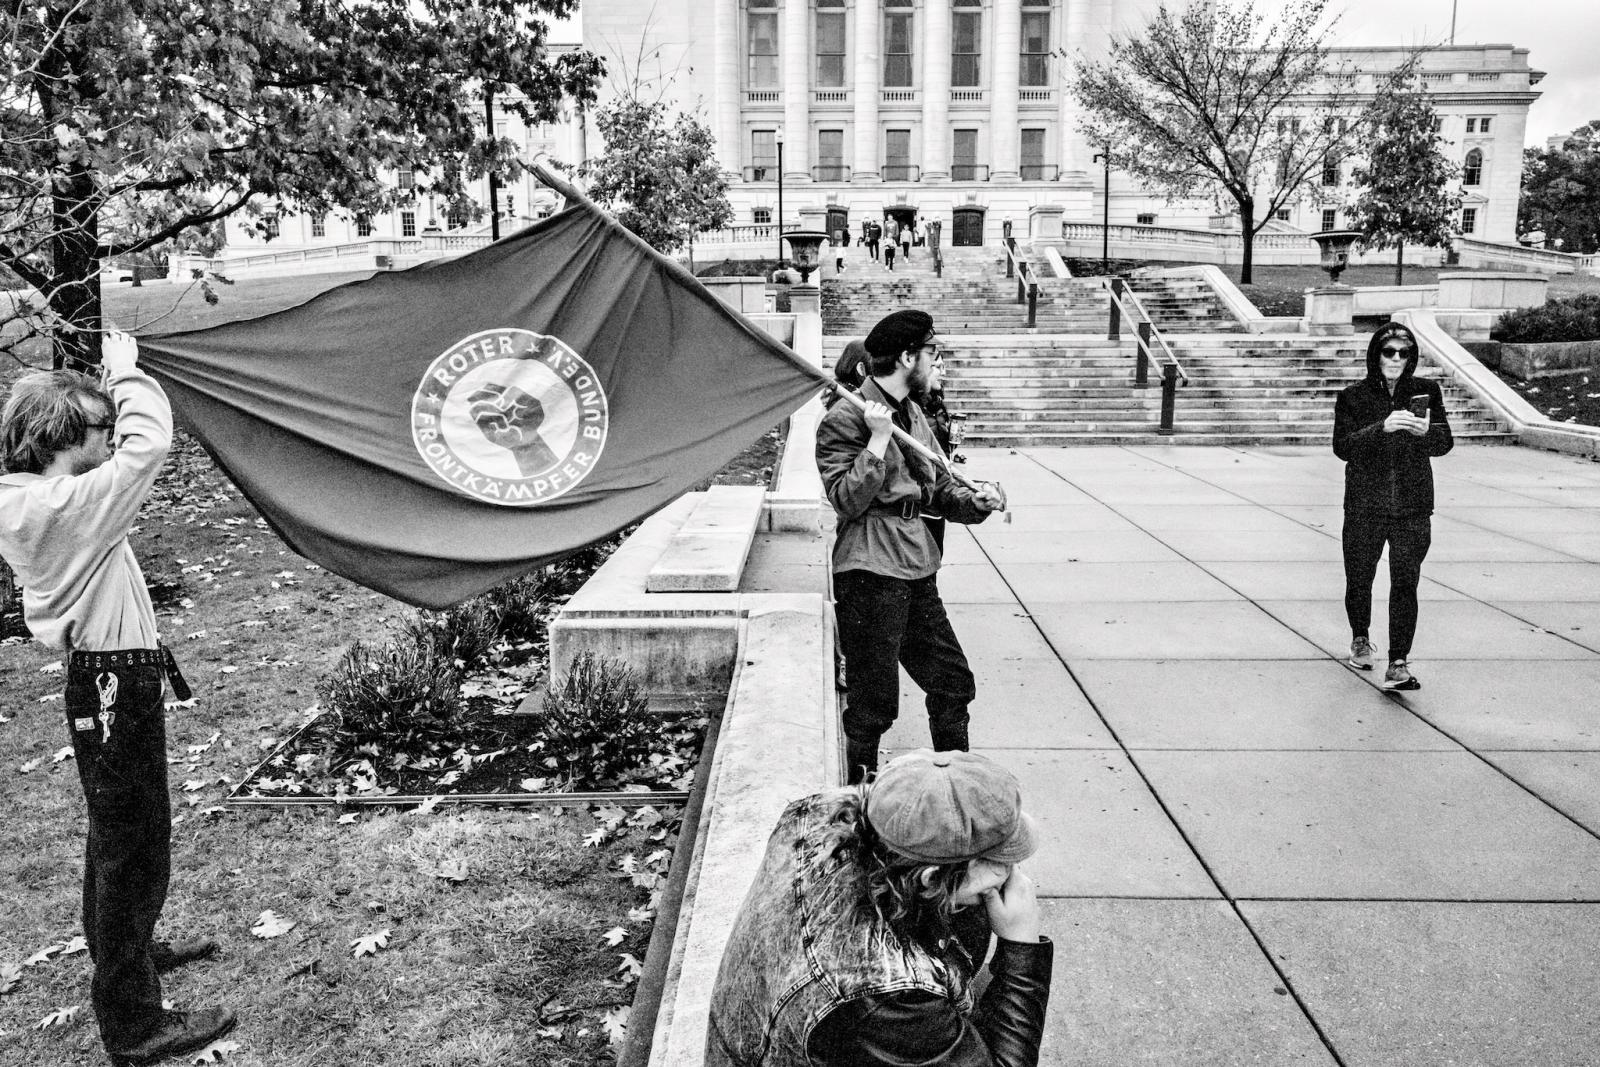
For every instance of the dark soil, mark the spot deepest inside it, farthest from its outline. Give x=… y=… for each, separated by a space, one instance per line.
x=494 y=753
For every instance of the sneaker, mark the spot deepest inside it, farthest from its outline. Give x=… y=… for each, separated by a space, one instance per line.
x=170 y=955
x=1361 y=655
x=179 y=1032
x=1399 y=677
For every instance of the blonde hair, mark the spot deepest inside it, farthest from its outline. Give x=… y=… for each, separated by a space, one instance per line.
x=47 y=413
x=915 y=899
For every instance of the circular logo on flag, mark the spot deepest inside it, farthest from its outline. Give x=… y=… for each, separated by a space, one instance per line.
x=511 y=417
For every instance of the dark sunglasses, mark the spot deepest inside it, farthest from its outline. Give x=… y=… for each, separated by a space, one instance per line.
x=1397 y=353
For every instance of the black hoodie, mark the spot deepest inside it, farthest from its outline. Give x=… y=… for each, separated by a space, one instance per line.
x=1388 y=473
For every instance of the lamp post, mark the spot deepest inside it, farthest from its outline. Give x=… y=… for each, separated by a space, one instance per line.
x=780 y=196
x=1105 y=213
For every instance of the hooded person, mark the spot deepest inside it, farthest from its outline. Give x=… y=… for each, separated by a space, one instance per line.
x=885 y=559
x=1387 y=428
x=862 y=933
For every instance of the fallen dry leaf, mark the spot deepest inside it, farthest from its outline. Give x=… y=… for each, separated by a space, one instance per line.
x=615 y=936
x=369 y=944
x=215 y=1052
x=10 y=975
x=271 y=924
x=62 y=754
x=44 y=954
x=615 y=1022
x=60 y=1017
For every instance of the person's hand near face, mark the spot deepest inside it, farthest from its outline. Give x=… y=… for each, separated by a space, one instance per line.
x=1007 y=894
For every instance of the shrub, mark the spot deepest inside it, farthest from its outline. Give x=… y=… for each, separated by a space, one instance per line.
x=523 y=604
x=396 y=695
x=461 y=636
x=1576 y=318
x=597 y=726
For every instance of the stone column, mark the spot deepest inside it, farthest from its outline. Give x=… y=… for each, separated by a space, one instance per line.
x=1006 y=72
x=936 y=91
x=796 y=91
x=731 y=149
x=869 y=20
x=1073 y=152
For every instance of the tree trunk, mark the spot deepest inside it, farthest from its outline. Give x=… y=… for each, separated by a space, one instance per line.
x=1248 y=235
x=1400 y=263
x=75 y=266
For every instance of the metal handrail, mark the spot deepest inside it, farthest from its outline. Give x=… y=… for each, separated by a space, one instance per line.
x=1118 y=291
x=1144 y=333
x=1027 y=284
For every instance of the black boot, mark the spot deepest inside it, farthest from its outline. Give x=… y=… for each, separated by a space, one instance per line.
x=860 y=758
x=949 y=737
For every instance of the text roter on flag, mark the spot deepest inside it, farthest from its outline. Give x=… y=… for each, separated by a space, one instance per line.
x=433 y=432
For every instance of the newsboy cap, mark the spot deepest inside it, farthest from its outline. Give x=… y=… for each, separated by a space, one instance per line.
x=944 y=807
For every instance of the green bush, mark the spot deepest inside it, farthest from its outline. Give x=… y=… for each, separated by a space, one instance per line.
x=463 y=635
x=597 y=726
x=524 y=605
x=1576 y=318
x=396 y=695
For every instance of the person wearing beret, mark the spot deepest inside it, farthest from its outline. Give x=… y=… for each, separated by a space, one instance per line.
x=885 y=559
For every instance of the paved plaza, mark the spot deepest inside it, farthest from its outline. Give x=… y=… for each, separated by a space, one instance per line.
x=1252 y=855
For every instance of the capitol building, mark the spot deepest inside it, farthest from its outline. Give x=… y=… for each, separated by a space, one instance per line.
x=948 y=110
x=958 y=110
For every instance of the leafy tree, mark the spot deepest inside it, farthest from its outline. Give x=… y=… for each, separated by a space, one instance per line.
x=660 y=177
x=1561 y=191
x=1407 y=182
x=128 y=125
x=1219 y=99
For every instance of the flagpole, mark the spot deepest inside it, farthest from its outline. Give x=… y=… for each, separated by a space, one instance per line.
x=547 y=174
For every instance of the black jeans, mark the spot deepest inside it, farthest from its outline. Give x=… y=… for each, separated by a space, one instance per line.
x=1408 y=537
x=117 y=721
x=883 y=623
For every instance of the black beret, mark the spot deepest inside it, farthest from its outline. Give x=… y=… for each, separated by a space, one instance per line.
x=897 y=332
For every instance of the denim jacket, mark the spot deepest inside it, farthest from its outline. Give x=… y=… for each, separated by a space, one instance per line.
x=806 y=941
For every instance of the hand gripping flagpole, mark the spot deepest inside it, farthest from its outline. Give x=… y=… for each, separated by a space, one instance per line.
x=547 y=174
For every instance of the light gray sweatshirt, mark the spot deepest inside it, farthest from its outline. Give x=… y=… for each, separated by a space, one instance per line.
x=67 y=537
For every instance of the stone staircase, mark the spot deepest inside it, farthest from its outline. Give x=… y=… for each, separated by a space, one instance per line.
x=1063 y=383
x=973 y=296
x=1242 y=390
x=1183 y=305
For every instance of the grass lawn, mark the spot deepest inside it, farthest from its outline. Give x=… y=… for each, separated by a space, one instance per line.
x=513 y=937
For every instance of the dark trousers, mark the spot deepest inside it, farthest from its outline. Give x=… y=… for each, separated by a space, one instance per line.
x=1408 y=538
x=872 y=247
x=128 y=858
x=885 y=623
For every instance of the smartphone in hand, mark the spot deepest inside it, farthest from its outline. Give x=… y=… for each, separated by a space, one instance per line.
x=1419 y=405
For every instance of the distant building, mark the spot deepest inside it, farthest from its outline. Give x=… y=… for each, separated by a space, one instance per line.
x=955 y=109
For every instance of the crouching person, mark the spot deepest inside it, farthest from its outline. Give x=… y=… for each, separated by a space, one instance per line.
x=78 y=463
x=859 y=942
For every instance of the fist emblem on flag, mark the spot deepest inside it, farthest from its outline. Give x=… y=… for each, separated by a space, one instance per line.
x=511 y=418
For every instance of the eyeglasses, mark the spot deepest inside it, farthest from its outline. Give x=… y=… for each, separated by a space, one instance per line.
x=932 y=348
x=1395 y=353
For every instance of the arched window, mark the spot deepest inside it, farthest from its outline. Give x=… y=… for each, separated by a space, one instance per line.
x=1472 y=169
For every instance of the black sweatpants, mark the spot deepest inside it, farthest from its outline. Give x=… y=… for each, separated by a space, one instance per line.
x=117 y=721
x=1408 y=538
x=884 y=623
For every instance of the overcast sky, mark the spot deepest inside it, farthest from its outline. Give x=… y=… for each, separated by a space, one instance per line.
x=1562 y=38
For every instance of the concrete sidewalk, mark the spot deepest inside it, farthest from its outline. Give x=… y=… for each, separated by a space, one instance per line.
x=1252 y=854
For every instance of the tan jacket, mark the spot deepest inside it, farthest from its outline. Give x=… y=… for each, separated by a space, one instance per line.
x=869 y=494
x=67 y=537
